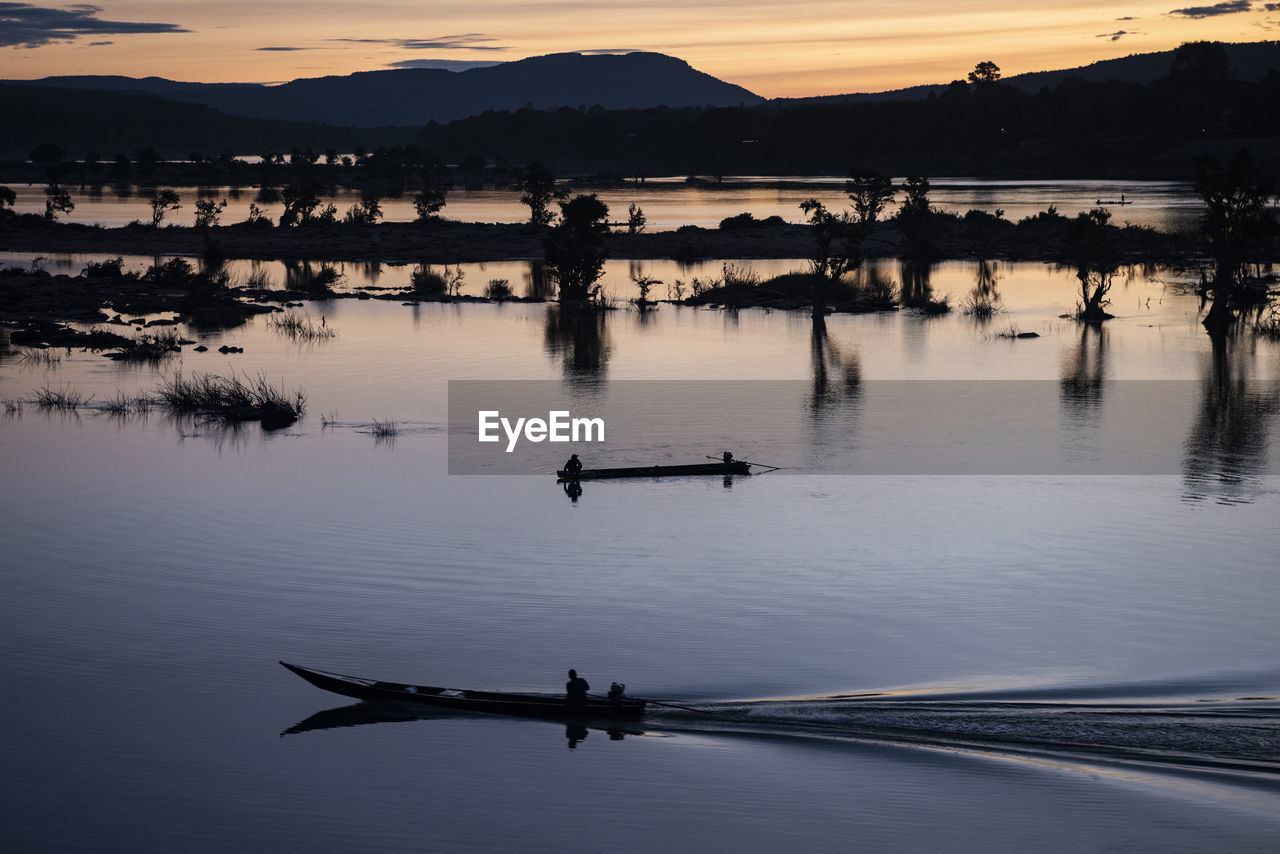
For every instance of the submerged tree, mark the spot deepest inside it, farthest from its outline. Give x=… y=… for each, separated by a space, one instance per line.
x=837 y=248
x=870 y=192
x=575 y=248
x=539 y=187
x=1238 y=224
x=1095 y=258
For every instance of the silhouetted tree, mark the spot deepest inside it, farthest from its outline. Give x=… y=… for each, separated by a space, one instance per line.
x=870 y=192
x=984 y=73
x=57 y=201
x=208 y=212
x=428 y=203
x=162 y=202
x=575 y=249
x=121 y=167
x=635 y=219
x=836 y=248
x=146 y=159
x=539 y=187
x=915 y=216
x=1197 y=64
x=8 y=198
x=1238 y=222
x=300 y=204
x=367 y=211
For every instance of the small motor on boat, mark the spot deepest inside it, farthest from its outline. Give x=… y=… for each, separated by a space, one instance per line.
x=616 y=691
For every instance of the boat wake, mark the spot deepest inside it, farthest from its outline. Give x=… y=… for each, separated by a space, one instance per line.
x=1239 y=735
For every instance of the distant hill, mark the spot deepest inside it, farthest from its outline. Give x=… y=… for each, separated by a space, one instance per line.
x=1249 y=61
x=107 y=122
x=417 y=96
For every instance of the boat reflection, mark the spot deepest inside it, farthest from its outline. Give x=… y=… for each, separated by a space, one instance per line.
x=368 y=713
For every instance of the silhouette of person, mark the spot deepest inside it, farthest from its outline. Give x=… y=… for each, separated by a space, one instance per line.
x=576 y=692
x=574 y=733
x=573 y=466
x=728 y=457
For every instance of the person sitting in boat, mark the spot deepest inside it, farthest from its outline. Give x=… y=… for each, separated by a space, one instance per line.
x=728 y=457
x=576 y=691
x=573 y=466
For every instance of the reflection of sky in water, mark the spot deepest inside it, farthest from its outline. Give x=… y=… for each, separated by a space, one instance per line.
x=156 y=569
x=668 y=205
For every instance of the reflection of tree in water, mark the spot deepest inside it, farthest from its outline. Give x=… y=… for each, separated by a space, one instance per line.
x=983 y=301
x=302 y=275
x=1083 y=372
x=579 y=337
x=916 y=290
x=537 y=283
x=871 y=276
x=837 y=376
x=1226 y=454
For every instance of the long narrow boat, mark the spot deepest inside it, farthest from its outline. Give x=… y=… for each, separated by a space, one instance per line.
x=522 y=705
x=735 y=467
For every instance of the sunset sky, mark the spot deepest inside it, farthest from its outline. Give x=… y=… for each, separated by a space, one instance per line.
x=802 y=47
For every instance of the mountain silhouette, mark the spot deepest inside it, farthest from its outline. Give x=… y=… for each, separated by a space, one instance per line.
x=1249 y=61
x=417 y=96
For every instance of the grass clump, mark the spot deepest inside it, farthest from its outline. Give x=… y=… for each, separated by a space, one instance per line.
x=233 y=399
x=123 y=405
x=384 y=429
x=40 y=358
x=936 y=305
x=65 y=399
x=12 y=406
x=428 y=282
x=301 y=327
x=499 y=289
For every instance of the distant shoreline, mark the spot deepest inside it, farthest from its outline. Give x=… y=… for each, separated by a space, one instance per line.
x=451 y=242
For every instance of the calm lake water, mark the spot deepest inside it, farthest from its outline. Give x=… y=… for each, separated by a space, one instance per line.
x=902 y=662
x=671 y=203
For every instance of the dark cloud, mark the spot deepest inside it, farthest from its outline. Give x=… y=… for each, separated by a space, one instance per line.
x=1271 y=7
x=1115 y=37
x=275 y=47
x=25 y=25
x=465 y=41
x=99 y=44
x=1127 y=18
x=445 y=64
x=1230 y=7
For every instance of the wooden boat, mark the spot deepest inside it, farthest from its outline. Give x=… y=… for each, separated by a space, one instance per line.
x=735 y=467
x=494 y=702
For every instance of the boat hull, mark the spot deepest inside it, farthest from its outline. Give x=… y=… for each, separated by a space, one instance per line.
x=492 y=702
x=734 y=468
